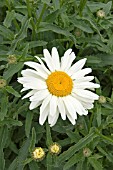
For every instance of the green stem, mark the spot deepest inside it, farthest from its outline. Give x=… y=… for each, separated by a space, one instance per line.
x=91 y=119
x=31 y=19
x=40 y=17
x=105 y=137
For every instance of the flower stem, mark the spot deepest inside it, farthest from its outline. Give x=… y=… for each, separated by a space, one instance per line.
x=40 y=17
x=31 y=19
x=104 y=137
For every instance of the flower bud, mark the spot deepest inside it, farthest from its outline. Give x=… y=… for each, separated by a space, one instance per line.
x=102 y=99
x=100 y=14
x=12 y=59
x=55 y=148
x=38 y=154
x=78 y=32
x=86 y=152
x=2 y=83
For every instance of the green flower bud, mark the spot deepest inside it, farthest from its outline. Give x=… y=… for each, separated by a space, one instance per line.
x=100 y=14
x=102 y=99
x=12 y=59
x=86 y=152
x=2 y=83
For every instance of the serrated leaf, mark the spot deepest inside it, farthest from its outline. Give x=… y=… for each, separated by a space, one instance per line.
x=9 y=17
x=10 y=90
x=95 y=163
x=12 y=70
x=28 y=123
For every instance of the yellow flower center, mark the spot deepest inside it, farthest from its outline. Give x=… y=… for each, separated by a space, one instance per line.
x=59 y=83
x=38 y=153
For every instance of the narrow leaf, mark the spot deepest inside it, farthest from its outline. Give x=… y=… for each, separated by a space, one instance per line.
x=28 y=122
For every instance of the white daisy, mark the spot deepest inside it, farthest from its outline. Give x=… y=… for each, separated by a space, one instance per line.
x=59 y=87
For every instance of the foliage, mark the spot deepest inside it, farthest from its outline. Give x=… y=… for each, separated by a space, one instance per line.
x=26 y=28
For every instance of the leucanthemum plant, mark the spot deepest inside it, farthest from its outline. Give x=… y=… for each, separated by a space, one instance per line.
x=59 y=87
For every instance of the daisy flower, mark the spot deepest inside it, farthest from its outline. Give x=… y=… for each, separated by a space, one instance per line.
x=60 y=87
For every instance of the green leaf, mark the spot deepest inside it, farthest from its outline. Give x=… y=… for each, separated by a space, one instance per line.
x=49 y=162
x=3 y=136
x=81 y=25
x=12 y=70
x=9 y=17
x=6 y=33
x=28 y=123
x=71 y=151
x=98 y=112
x=54 y=28
x=13 y=165
x=81 y=6
x=10 y=90
x=23 y=152
x=11 y=122
x=2 y=160
x=48 y=135
x=4 y=107
x=33 y=165
x=107 y=7
x=73 y=160
x=21 y=35
x=33 y=140
x=95 y=163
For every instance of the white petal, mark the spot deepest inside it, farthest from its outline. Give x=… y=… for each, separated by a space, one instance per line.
x=31 y=73
x=53 y=119
x=71 y=119
x=78 y=106
x=37 y=67
x=82 y=99
x=48 y=59
x=40 y=95
x=81 y=73
x=43 y=66
x=35 y=104
x=70 y=60
x=43 y=115
x=24 y=89
x=53 y=105
x=88 y=85
x=87 y=105
x=83 y=79
x=77 y=66
x=69 y=106
x=39 y=85
x=55 y=57
x=32 y=92
x=64 y=60
x=61 y=108
x=87 y=94
x=45 y=103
